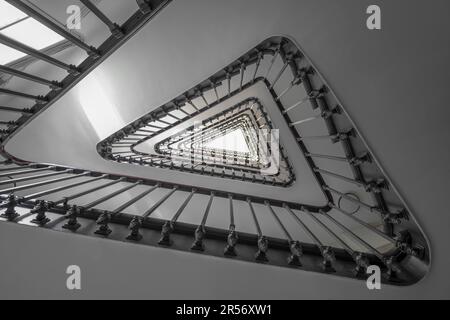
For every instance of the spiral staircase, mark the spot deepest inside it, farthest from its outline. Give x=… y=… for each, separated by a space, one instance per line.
x=311 y=197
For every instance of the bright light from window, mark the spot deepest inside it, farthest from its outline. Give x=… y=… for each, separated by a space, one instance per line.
x=98 y=107
x=231 y=141
x=7 y=54
x=33 y=34
x=9 y=14
x=29 y=32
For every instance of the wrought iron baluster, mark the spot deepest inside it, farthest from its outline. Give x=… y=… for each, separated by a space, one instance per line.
x=263 y=243
x=23 y=111
x=232 y=238
x=54 y=27
x=113 y=27
x=37 y=99
x=33 y=177
x=108 y=196
x=37 y=54
x=272 y=61
x=23 y=75
x=294 y=246
x=15 y=173
x=280 y=73
x=258 y=63
x=326 y=251
x=57 y=189
x=169 y=225
x=360 y=259
x=106 y=216
x=137 y=221
x=39 y=184
x=200 y=231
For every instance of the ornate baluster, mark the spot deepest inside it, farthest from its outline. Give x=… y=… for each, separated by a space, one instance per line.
x=232 y=237
x=134 y=226
x=10 y=204
x=326 y=252
x=40 y=208
x=168 y=225
x=294 y=246
x=200 y=231
x=103 y=222
x=72 y=216
x=263 y=243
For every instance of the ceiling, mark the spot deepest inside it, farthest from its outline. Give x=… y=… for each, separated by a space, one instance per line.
x=370 y=73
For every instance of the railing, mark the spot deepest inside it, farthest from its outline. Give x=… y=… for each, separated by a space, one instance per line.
x=326 y=240
x=304 y=101
x=317 y=96
x=119 y=35
x=70 y=200
x=187 y=151
x=302 y=73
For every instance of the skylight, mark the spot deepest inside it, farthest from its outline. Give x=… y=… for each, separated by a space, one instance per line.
x=18 y=26
x=9 y=14
x=33 y=34
x=8 y=55
x=233 y=141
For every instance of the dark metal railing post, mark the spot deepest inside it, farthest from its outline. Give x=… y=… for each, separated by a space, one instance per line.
x=338 y=176
x=169 y=225
x=37 y=54
x=280 y=73
x=326 y=251
x=394 y=217
x=15 y=173
x=272 y=61
x=10 y=204
x=258 y=62
x=136 y=222
x=34 y=177
x=368 y=226
x=354 y=236
x=159 y=203
x=72 y=222
x=388 y=261
x=38 y=184
x=31 y=165
x=23 y=111
x=297 y=80
x=360 y=259
x=263 y=243
x=40 y=208
x=53 y=26
x=113 y=27
x=23 y=75
x=106 y=217
x=36 y=99
x=200 y=231
x=232 y=237
x=66 y=199
x=294 y=246
x=69 y=186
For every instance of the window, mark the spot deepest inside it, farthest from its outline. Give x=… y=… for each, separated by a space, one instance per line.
x=18 y=26
x=232 y=141
x=9 y=15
